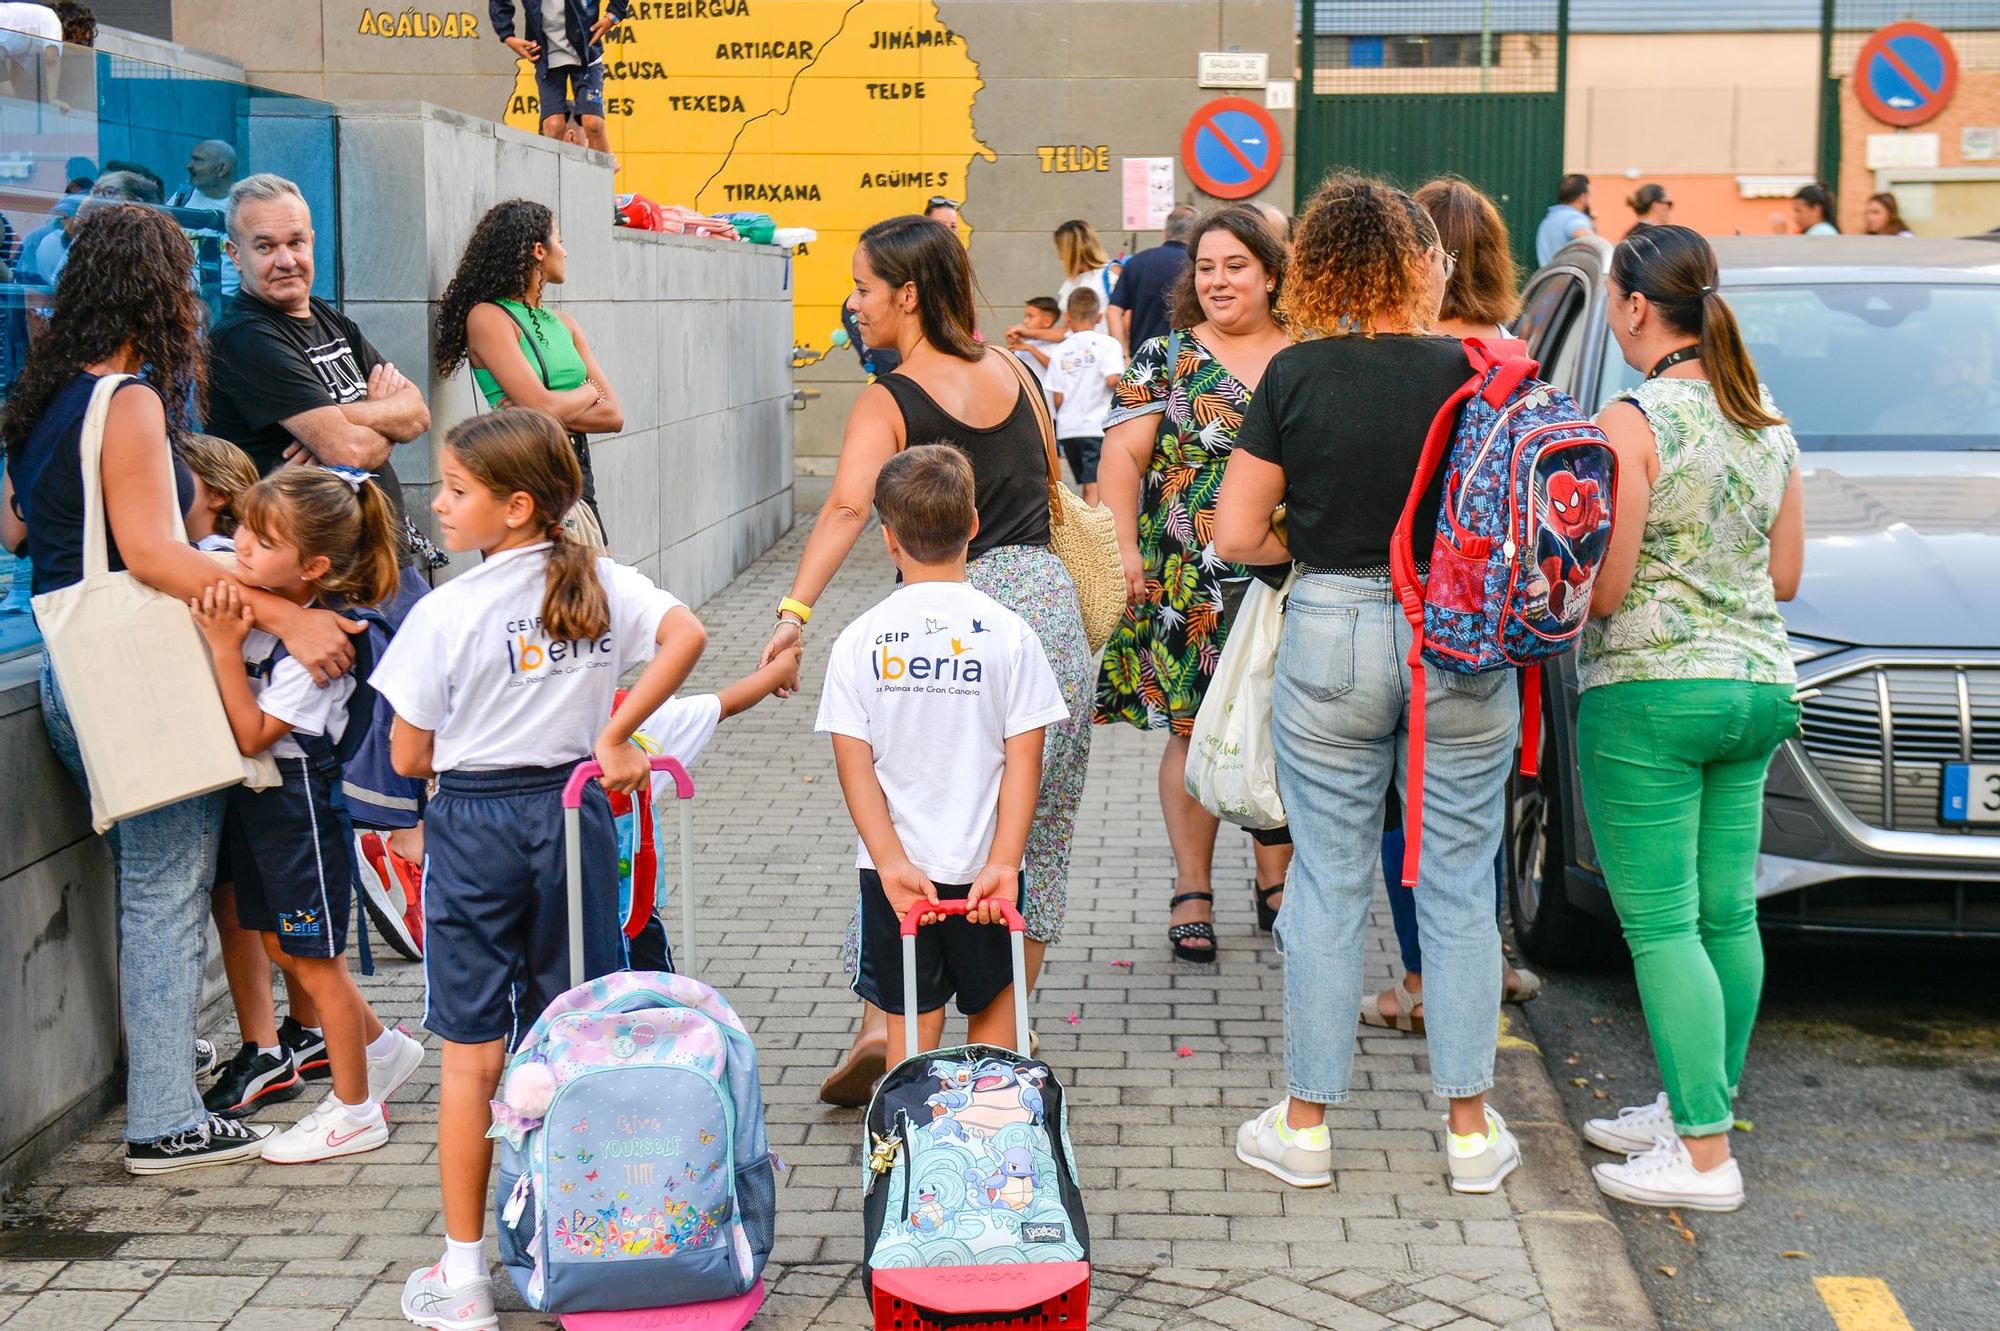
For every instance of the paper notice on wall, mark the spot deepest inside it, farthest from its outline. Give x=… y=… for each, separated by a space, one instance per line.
x=1979 y=143
x=1149 y=192
x=1890 y=151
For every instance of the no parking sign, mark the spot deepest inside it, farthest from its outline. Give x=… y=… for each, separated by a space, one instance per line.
x=1906 y=73
x=1231 y=148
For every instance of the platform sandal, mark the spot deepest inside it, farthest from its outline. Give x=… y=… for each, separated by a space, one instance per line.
x=1267 y=914
x=1178 y=934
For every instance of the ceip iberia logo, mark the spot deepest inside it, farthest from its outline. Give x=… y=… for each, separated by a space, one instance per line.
x=532 y=657
x=891 y=664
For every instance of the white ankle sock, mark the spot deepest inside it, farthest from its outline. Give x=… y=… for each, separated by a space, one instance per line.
x=464 y=1262
x=384 y=1044
x=268 y=1050
x=317 y=1032
x=366 y=1112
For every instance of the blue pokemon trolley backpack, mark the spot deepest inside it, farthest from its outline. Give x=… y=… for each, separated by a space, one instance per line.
x=1522 y=529
x=971 y=1212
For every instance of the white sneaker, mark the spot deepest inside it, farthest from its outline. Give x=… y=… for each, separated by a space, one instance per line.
x=391 y=1070
x=1482 y=1171
x=1635 y=1129
x=325 y=1134
x=1302 y=1157
x=429 y=1301
x=1664 y=1175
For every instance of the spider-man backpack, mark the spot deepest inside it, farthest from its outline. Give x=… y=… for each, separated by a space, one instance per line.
x=1522 y=528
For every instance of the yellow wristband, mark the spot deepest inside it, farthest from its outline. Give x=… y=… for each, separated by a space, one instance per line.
x=799 y=608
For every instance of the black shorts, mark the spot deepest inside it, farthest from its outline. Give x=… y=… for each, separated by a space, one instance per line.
x=496 y=900
x=972 y=961
x=291 y=853
x=1083 y=455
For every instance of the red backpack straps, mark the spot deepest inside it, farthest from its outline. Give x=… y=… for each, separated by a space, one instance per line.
x=1410 y=595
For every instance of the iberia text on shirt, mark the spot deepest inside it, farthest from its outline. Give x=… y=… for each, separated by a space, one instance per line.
x=936 y=679
x=473 y=664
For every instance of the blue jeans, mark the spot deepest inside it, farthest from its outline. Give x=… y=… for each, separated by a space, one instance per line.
x=1403 y=900
x=1341 y=723
x=166 y=866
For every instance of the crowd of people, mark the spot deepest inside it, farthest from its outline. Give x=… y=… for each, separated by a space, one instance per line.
x=1249 y=400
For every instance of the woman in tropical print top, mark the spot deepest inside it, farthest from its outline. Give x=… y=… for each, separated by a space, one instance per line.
x=1171 y=429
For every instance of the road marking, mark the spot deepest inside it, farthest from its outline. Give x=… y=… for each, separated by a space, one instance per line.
x=1860 y=1303
x=1507 y=1041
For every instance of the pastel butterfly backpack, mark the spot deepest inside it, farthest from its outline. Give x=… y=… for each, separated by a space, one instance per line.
x=634 y=1168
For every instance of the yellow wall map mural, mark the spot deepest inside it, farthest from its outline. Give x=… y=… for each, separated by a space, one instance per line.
x=829 y=114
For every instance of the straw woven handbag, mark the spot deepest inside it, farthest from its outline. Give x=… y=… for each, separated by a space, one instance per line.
x=1084 y=538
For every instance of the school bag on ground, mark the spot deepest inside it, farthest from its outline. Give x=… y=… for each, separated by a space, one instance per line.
x=1522 y=528
x=971 y=1212
x=634 y=1170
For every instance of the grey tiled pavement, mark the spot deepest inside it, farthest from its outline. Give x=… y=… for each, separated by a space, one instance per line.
x=1160 y=1061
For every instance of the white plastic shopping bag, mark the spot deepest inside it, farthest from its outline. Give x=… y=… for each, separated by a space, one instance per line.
x=1232 y=766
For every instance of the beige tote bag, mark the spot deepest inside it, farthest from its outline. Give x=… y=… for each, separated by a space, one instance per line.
x=134 y=670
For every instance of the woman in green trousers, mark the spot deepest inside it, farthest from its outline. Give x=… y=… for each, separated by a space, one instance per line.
x=1688 y=691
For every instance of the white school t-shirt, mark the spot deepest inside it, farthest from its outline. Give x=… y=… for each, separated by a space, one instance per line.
x=1101 y=280
x=291 y=696
x=1077 y=370
x=936 y=679
x=472 y=664
x=680 y=729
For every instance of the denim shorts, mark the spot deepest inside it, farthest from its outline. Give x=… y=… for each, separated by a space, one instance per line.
x=573 y=90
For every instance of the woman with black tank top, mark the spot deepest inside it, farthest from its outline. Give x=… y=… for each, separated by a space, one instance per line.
x=913 y=292
x=125 y=308
x=1335 y=433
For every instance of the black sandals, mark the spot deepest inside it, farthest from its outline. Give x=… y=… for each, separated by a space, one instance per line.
x=1267 y=914
x=1179 y=934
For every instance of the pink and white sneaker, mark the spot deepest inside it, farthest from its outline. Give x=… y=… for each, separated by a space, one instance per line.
x=429 y=1301
x=326 y=1134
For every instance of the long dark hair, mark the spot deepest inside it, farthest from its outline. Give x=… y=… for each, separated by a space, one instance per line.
x=1247 y=225
x=125 y=283
x=914 y=249
x=1674 y=268
x=498 y=264
x=526 y=451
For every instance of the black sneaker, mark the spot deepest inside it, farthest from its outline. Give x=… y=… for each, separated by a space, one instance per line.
x=206 y=1059
x=219 y=1141
x=252 y=1079
x=308 y=1050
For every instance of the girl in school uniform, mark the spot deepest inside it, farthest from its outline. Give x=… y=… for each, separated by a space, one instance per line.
x=501 y=681
x=311 y=536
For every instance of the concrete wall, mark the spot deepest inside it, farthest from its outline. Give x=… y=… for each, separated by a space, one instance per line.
x=694 y=334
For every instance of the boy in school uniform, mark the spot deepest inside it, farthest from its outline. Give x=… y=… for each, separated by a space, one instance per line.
x=1084 y=368
x=936 y=700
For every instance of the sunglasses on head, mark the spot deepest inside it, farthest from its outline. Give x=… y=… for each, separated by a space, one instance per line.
x=940 y=201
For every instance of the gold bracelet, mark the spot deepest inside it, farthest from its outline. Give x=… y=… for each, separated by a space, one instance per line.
x=799 y=608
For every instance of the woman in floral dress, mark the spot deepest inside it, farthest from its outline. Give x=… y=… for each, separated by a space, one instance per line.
x=1170 y=431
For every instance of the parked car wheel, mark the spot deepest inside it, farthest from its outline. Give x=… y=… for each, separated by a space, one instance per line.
x=1548 y=926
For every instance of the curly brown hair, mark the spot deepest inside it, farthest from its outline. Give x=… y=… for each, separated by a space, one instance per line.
x=124 y=285
x=498 y=264
x=1360 y=259
x=1247 y=225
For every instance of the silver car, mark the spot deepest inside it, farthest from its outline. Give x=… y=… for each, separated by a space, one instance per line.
x=1884 y=818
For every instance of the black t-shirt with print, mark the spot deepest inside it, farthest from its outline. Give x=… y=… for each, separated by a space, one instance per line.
x=1346 y=418
x=265 y=367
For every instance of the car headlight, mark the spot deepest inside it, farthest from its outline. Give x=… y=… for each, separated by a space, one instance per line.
x=1804 y=649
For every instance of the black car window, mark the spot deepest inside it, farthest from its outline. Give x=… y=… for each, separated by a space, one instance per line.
x=1552 y=324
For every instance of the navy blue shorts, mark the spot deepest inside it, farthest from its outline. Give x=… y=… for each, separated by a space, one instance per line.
x=292 y=856
x=496 y=912
x=972 y=961
x=573 y=90
x=1083 y=454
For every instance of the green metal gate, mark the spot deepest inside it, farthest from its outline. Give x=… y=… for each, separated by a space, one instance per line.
x=1414 y=90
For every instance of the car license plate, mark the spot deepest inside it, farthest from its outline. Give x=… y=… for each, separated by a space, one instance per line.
x=1972 y=792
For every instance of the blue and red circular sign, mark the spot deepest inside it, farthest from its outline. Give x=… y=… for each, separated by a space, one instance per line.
x=1906 y=73
x=1231 y=148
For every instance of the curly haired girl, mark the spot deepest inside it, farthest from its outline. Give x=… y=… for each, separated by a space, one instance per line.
x=522 y=354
